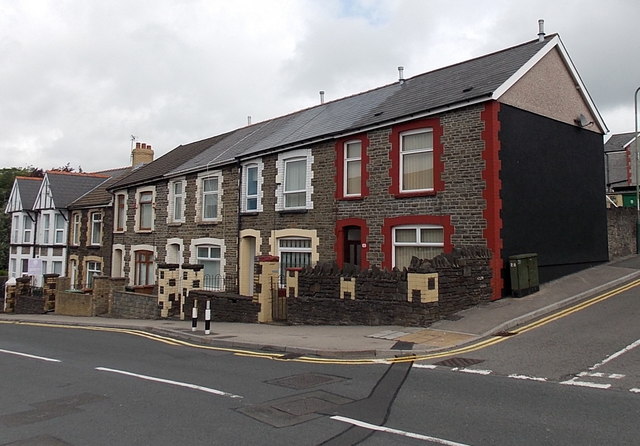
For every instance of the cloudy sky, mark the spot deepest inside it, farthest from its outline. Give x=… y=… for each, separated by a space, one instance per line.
x=78 y=78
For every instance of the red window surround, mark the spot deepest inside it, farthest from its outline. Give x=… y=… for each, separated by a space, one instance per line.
x=394 y=154
x=364 y=234
x=364 y=161
x=390 y=223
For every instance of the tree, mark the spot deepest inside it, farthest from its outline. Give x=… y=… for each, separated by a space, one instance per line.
x=7 y=177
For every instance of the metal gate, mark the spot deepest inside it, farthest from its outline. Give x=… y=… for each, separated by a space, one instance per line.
x=278 y=301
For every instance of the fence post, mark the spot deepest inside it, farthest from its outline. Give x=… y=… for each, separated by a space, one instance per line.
x=207 y=318
x=194 y=316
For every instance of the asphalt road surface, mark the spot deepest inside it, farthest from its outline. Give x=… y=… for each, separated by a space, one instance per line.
x=574 y=380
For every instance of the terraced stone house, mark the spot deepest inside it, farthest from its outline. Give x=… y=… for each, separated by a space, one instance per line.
x=503 y=151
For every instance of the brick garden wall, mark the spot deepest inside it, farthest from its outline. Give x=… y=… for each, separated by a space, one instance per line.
x=128 y=305
x=225 y=307
x=383 y=298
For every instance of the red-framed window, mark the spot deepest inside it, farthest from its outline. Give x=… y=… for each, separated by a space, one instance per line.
x=416 y=158
x=351 y=167
x=396 y=233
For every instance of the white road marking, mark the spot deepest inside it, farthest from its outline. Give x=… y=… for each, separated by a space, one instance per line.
x=425 y=366
x=616 y=354
x=476 y=371
x=26 y=355
x=634 y=390
x=389 y=430
x=168 y=381
x=602 y=375
x=572 y=382
x=530 y=378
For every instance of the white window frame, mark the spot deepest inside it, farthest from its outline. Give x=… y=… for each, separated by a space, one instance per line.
x=46 y=228
x=202 y=194
x=426 y=150
x=15 y=235
x=145 y=191
x=96 y=223
x=350 y=160
x=58 y=229
x=177 y=201
x=246 y=195
x=216 y=282
x=92 y=268
x=27 y=229
x=281 y=164
x=418 y=242
x=204 y=242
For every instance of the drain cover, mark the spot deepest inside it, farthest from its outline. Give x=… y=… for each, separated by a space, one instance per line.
x=459 y=362
x=305 y=380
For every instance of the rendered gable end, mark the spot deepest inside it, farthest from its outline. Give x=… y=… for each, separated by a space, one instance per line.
x=549 y=89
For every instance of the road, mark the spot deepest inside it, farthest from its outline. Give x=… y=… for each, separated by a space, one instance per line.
x=574 y=380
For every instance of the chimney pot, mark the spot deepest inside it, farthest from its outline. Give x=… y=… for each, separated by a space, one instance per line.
x=541 y=33
x=401 y=74
x=322 y=96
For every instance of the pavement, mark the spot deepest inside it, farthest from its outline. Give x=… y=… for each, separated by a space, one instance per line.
x=376 y=342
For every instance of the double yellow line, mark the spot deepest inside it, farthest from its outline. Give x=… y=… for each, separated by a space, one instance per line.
x=363 y=361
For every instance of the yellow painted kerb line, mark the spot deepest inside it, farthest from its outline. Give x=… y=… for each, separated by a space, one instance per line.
x=310 y=359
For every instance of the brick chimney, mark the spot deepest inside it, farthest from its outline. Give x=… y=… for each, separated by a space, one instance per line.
x=142 y=154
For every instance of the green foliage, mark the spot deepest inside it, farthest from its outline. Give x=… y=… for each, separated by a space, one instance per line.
x=7 y=176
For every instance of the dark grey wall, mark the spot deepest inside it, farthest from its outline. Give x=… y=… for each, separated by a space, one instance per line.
x=553 y=200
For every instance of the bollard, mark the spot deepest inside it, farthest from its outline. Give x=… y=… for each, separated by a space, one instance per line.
x=194 y=317
x=207 y=318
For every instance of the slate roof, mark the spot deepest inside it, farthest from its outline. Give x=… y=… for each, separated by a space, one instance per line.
x=99 y=195
x=472 y=81
x=28 y=188
x=619 y=141
x=67 y=187
x=160 y=166
x=616 y=174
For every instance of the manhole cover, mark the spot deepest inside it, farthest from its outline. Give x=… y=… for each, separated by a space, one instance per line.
x=305 y=380
x=295 y=409
x=304 y=406
x=459 y=362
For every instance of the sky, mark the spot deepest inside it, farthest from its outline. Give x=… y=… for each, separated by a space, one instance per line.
x=80 y=79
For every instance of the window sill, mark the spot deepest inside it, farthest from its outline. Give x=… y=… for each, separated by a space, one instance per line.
x=250 y=213
x=208 y=223
x=424 y=193
x=144 y=231
x=351 y=198
x=293 y=211
x=175 y=223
